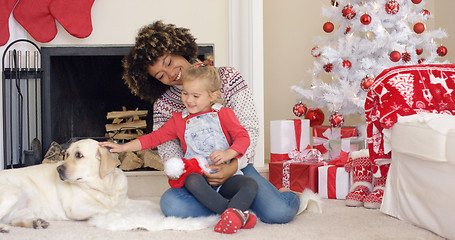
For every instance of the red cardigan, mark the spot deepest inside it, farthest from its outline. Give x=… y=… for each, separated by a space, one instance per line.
x=236 y=134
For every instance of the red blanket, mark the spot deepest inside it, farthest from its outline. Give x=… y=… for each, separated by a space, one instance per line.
x=406 y=90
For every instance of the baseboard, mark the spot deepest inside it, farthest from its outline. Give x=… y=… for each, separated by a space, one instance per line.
x=143 y=184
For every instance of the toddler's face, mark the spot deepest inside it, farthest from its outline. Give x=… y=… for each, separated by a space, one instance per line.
x=196 y=97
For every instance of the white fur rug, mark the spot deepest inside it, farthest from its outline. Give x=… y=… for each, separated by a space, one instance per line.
x=336 y=222
x=145 y=214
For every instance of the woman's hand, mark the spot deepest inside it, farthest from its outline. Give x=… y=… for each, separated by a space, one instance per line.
x=220 y=157
x=223 y=172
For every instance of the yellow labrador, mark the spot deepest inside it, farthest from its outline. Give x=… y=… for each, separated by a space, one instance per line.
x=85 y=184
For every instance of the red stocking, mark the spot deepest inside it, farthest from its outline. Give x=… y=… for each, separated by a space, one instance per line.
x=5 y=12
x=35 y=17
x=74 y=16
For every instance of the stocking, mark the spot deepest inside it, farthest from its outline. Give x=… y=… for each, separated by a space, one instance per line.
x=35 y=17
x=5 y=12
x=74 y=16
x=362 y=178
x=374 y=199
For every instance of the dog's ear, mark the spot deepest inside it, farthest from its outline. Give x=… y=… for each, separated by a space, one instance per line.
x=108 y=161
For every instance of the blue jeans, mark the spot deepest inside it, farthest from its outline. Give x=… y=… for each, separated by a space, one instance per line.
x=270 y=205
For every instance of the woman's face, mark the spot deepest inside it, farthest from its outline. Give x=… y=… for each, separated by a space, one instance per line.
x=169 y=69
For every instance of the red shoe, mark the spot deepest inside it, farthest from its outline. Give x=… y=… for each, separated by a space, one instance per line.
x=230 y=222
x=250 y=221
x=234 y=219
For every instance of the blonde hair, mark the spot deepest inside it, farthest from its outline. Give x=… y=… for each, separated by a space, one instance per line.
x=206 y=73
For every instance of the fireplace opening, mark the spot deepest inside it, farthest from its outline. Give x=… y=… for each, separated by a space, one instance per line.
x=81 y=85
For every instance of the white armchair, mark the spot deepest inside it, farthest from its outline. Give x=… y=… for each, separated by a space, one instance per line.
x=420 y=187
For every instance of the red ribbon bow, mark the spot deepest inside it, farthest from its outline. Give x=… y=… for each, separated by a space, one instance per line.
x=342 y=160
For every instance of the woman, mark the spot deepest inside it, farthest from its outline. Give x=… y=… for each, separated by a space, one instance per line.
x=153 y=71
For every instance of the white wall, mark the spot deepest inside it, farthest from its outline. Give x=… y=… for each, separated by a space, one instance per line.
x=117 y=22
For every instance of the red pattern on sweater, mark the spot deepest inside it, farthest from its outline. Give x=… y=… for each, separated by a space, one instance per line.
x=402 y=91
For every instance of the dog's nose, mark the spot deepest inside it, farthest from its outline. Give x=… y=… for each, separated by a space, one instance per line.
x=61 y=172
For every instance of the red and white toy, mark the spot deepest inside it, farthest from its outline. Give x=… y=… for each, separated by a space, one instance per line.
x=181 y=167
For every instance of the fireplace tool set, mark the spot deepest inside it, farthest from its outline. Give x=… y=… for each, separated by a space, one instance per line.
x=21 y=96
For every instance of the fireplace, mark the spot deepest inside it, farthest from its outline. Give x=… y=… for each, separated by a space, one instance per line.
x=80 y=86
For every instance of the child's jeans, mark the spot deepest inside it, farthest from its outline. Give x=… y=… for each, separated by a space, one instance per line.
x=270 y=205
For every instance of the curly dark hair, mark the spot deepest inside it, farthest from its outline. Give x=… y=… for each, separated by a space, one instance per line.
x=152 y=42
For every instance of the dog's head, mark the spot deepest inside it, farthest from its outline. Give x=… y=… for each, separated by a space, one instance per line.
x=84 y=160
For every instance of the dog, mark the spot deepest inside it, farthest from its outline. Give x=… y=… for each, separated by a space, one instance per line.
x=85 y=184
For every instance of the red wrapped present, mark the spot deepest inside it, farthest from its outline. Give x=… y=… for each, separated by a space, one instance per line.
x=294 y=175
x=333 y=182
x=322 y=135
x=287 y=136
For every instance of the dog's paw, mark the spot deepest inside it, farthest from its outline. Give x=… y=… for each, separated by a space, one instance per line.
x=4 y=228
x=40 y=223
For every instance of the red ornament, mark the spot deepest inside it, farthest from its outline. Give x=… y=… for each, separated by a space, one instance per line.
x=365 y=19
x=315 y=52
x=328 y=27
x=419 y=27
x=316 y=117
x=419 y=51
x=336 y=120
x=416 y=1
x=421 y=60
x=299 y=109
x=425 y=12
x=348 y=29
x=406 y=57
x=335 y=3
x=395 y=56
x=392 y=7
x=347 y=64
x=328 y=67
x=442 y=51
x=366 y=83
x=348 y=12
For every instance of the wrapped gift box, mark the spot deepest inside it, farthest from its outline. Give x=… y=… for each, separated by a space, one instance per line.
x=345 y=144
x=301 y=175
x=333 y=182
x=322 y=135
x=286 y=136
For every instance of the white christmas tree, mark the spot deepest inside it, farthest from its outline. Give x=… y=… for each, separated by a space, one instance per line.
x=363 y=38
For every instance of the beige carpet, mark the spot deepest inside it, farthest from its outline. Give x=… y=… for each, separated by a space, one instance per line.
x=336 y=222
